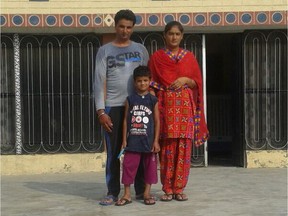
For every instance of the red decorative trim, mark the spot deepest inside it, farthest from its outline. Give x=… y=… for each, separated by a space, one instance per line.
x=201 y=19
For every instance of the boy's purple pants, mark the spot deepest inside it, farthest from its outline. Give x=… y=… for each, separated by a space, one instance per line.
x=130 y=166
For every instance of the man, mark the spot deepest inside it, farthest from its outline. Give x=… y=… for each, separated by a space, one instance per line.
x=115 y=63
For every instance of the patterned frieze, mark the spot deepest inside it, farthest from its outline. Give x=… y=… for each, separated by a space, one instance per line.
x=207 y=19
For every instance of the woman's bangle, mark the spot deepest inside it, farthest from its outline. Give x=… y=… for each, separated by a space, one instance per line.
x=103 y=113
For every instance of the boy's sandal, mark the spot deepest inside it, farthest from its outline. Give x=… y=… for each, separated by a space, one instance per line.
x=108 y=200
x=123 y=201
x=166 y=197
x=180 y=197
x=149 y=201
x=141 y=197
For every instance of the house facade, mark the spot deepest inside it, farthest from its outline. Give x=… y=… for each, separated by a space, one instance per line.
x=48 y=47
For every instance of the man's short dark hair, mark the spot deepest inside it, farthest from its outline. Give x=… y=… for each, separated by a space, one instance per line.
x=141 y=71
x=125 y=14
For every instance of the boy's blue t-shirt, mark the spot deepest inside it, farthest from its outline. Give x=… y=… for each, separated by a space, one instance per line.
x=140 y=122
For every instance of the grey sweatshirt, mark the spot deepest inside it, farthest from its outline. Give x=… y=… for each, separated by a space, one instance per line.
x=114 y=66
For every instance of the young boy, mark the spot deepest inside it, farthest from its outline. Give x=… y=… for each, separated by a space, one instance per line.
x=141 y=128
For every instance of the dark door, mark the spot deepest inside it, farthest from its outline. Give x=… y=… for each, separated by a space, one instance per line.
x=223 y=54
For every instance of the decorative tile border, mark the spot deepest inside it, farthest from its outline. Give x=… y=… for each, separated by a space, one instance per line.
x=204 y=19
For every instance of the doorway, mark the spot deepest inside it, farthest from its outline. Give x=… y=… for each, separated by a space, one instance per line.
x=223 y=63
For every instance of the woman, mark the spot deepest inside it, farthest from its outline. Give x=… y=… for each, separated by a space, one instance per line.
x=177 y=83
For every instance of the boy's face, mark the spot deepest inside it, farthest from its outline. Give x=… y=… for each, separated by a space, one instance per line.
x=142 y=83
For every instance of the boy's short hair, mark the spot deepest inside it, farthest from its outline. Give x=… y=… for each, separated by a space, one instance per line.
x=141 y=71
x=125 y=14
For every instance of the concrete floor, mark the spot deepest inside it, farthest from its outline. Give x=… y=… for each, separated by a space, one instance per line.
x=215 y=191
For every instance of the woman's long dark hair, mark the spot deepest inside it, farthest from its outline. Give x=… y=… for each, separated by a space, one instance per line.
x=172 y=24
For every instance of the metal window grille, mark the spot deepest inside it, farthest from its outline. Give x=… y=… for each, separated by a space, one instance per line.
x=55 y=111
x=265 y=90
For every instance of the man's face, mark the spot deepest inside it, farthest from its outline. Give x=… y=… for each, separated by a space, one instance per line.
x=124 y=29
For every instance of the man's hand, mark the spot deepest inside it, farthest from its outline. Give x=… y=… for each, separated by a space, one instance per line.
x=105 y=121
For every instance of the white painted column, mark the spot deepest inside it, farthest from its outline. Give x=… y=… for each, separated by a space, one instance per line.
x=204 y=92
x=18 y=141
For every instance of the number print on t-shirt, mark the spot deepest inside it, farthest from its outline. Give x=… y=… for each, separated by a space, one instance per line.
x=139 y=120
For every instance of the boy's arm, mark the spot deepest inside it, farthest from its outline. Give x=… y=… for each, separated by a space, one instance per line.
x=156 y=146
x=124 y=132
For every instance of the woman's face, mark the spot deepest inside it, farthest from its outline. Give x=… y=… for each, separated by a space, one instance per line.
x=173 y=37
